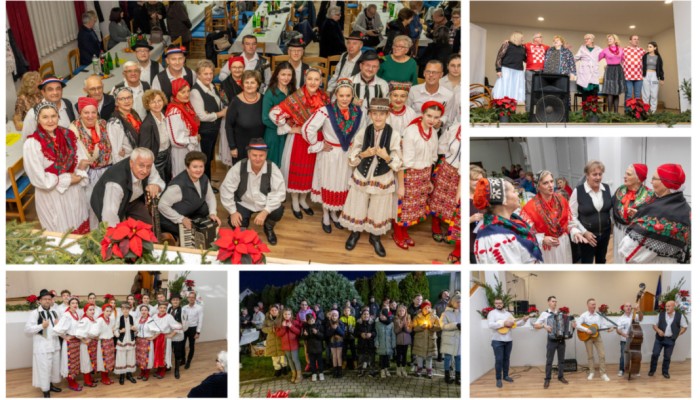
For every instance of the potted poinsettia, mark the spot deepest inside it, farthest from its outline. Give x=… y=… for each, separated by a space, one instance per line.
x=564 y=310
x=130 y=240
x=240 y=247
x=33 y=301
x=603 y=309
x=484 y=312
x=590 y=108
x=637 y=109
x=504 y=107
x=189 y=284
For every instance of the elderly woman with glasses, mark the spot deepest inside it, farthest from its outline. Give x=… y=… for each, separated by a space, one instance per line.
x=399 y=65
x=124 y=127
x=332 y=40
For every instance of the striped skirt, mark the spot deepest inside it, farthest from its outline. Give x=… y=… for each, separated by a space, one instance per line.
x=510 y=84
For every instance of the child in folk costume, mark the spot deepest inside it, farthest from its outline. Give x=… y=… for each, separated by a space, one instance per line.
x=425 y=325
x=178 y=341
x=165 y=328
x=444 y=202
x=70 y=352
x=297 y=162
x=46 y=354
x=103 y=330
x=419 y=152
x=338 y=124
x=376 y=156
x=125 y=330
x=182 y=125
x=400 y=115
x=144 y=342
x=88 y=344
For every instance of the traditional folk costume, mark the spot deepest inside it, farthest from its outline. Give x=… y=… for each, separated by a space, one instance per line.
x=103 y=331
x=332 y=172
x=550 y=218
x=162 y=325
x=444 y=202
x=178 y=340
x=183 y=128
x=399 y=120
x=624 y=200
x=123 y=131
x=88 y=352
x=46 y=353
x=125 y=363
x=70 y=352
x=144 y=346
x=49 y=163
x=660 y=231
x=297 y=163
x=372 y=185
x=97 y=146
x=419 y=153
x=501 y=240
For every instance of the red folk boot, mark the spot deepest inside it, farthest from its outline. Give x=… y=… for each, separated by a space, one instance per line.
x=398 y=236
x=145 y=373
x=73 y=385
x=456 y=255
x=408 y=239
x=87 y=378
x=105 y=378
x=437 y=230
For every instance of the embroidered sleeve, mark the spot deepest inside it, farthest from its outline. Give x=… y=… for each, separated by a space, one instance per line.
x=35 y=169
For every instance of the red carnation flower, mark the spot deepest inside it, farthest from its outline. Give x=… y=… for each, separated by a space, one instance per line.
x=31 y=299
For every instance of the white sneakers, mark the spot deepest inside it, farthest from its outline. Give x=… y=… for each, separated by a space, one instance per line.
x=382 y=373
x=321 y=377
x=620 y=373
x=314 y=378
x=605 y=377
x=388 y=374
x=590 y=376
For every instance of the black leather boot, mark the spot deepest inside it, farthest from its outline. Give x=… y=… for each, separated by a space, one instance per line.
x=47 y=394
x=55 y=389
x=458 y=378
x=121 y=378
x=375 y=241
x=270 y=233
x=352 y=240
x=130 y=377
x=177 y=369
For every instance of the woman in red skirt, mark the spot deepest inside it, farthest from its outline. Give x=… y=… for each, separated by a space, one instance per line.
x=104 y=332
x=444 y=202
x=67 y=328
x=419 y=147
x=144 y=342
x=289 y=116
x=88 y=344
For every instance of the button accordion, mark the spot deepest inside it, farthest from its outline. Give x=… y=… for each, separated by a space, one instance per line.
x=561 y=327
x=201 y=236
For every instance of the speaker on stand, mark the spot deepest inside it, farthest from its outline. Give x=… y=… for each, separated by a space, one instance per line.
x=550 y=98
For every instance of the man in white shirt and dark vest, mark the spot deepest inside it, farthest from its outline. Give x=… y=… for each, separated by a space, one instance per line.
x=591 y=317
x=195 y=318
x=52 y=90
x=348 y=66
x=178 y=340
x=149 y=68
x=254 y=185
x=175 y=58
x=366 y=85
x=671 y=325
x=502 y=343
x=46 y=355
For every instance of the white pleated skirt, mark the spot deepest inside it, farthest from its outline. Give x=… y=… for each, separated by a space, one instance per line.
x=510 y=84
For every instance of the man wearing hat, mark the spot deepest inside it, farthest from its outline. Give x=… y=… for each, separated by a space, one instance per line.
x=660 y=230
x=251 y=60
x=254 y=185
x=377 y=157
x=370 y=24
x=348 y=66
x=366 y=84
x=94 y=89
x=175 y=58
x=295 y=51
x=149 y=68
x=46 y=347
x=52 y=90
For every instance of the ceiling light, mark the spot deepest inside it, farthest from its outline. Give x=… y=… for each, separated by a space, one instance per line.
x=633 y=26
x=540 y=19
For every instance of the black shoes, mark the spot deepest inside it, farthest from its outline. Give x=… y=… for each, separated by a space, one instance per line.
x=121 y=379
x=297 y=214
x=177 y=373
x=337 y=224
x=271 y=238
x=278 y=373
x=563 y=380
x=352 y=240
x=448 y=380
x=130 y=377
x=650 y=373
x=377 y=244
x=55 y=389
x=546 y=384
x=499 y=383
x=326 y=228
x=307 y=211
x=47 y=394
x=187 y=364
x=667 y=376
x=508 y=379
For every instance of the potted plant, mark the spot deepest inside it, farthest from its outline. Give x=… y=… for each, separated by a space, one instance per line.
x=637 y=109
x=504 y=108
x=240 y=247
x=603 y=309
x=686 y=89
x=591 y=109
x=484 y=312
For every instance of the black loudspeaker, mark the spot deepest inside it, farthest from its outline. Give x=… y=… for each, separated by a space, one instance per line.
x=570 y=365
x=550 y=98
x=521 y=306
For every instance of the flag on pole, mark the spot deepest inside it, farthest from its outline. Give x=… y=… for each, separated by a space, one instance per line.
x=657 y=295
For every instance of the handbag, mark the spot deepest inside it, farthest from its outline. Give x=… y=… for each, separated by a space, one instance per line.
x=156 y=35
x=222 y=43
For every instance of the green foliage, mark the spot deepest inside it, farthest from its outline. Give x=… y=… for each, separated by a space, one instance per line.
x=323 y=287
x=414 y=283
x=673 y=292
x=668 y=118
x=362 y=287
x=270 y=295
x=494 y=292
x=392 y=290
x=27 y=307
x=378 y=286
x=175 y=286
x=686 y=89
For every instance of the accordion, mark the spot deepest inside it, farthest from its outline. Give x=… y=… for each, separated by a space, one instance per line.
x=201 y=236
x=561 y=327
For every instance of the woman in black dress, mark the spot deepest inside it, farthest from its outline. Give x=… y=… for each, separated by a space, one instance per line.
x=332 y=39
x=244 y=116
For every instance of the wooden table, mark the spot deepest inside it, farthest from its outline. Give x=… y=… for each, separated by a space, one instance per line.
x=272 y=36
x=13 y=153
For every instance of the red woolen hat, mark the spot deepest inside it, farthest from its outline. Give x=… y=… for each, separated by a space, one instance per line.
x=239 y=59
x=671 y=175
x=425 y=304
x=178 y=84
x=433 y=103
x=641 y=170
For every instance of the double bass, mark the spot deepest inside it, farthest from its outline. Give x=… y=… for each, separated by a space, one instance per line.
x=635 y=337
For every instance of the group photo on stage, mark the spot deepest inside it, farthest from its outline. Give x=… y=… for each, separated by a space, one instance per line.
x=526 y=317
x=116 y=334
x=576 y=200
x=196 y=122
x=541 y=62
x=394 y=334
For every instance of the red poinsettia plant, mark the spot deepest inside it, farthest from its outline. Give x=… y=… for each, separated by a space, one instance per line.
x=189 y=283
x=484 y=312
x=637 y=108
x=237 y=246
x=108 y=297
x=590 y=105
x=684 y=293
x=504 y=106
x=138 y=297
x=32 y=299
x=622 y=307
x=603 y=308
x=280 y=394
x=128 y=240
x=564 y=310
x=533 y=309
x=662 y=305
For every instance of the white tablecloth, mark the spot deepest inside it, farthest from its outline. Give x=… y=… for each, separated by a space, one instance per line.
x=12 y=154
x=271 y=38
x=196 y=12
x=422 y=41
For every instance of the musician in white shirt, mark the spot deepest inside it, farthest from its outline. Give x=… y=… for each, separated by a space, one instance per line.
x=623 y=329
x=502 y=343
x=46 y=357
x=195 y=317
x=546 y=321
x=590 y=317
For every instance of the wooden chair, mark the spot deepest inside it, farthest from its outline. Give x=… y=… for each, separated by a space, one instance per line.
x=73 y=61
x=19 y=190
x=105 y=42
x=320 y=63
x=278 y=59
x=219 y=24
x=221 y=59
x=479 y=96
x=208 y=18
x=421 y=81
x=47 y=68
x=178 y=41
x=260 y=48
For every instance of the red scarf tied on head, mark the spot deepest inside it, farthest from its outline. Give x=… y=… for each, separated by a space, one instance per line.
x=189 y=117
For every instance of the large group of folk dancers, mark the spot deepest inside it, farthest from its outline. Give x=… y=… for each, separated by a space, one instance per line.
x=70 y=342
x=648 y=224
x=374 y=154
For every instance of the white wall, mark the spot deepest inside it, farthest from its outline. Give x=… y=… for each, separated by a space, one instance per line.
x=681 y=20
x=495 y=153
x=24 y=283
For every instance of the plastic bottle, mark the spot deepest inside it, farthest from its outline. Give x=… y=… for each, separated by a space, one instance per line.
x=95 y=64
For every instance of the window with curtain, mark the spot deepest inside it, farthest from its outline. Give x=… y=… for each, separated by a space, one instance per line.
x=53 y=24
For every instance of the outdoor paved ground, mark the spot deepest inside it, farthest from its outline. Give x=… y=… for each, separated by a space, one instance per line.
x=350 y=385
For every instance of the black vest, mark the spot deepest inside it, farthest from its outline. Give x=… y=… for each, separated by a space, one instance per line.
x=191 y=200
x=176 y=313
x=145 y=85
x=341 y=64
x=53 y=317
x=675 y=325
x=593 y=220
x=167 y=87
x=69 y=110
x=122 y=325
x=384 y=140
x=265 y=186
x=119 y=173
x=210 y=106
x=154 y=71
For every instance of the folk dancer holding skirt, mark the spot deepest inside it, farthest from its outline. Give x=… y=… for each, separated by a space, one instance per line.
x=125 y=331
x=70 y=352
x=46 y=357
x=88 y=344
x=103 y=330
x=627 y=199
x=144 y=342
x=165 y=327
